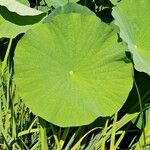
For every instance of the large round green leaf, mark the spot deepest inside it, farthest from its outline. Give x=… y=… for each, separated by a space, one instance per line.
x=132 y=16
x=72 y=70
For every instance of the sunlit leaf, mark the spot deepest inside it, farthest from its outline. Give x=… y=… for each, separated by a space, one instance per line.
x=72 y=70
x=144 y=140
x=18 y=8
x=25 y=2
x=17 y=18
x=0 y=70
x=132 y=16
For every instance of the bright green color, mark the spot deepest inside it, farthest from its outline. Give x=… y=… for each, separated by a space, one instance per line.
x=142 y=118
x=58 y=3
x=25 y=2
x=132 y=16
x=69 y=8
x=72 y=70
x=16 y=18
x=0 y=73
x=20 y=9
x=11 y=29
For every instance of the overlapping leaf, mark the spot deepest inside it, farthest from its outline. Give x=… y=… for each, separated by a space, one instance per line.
x=71 y=67
x=58 y=3
x=16 y=18
x=18 y=8
x=25 y=2
x=114 y=2
x=132 y=16
x=69 y=8
x=10 y=29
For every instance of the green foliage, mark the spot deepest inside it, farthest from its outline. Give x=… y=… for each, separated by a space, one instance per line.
x=115 y=2
x=144 y=139
x=132 y=18
x=25 y=2
x=68 y=8
x=58 y=3
x=70 y=68
x=16 y=18
x=75 y=73
x=18 y=8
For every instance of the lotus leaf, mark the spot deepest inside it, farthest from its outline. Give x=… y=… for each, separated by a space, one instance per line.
x=72 y=66
x=132 y=17
x=69 y=8
x=20 y=9
x=58 y=3
x=16 y=18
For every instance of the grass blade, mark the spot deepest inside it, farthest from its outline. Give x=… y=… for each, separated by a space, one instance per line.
x=112 y=142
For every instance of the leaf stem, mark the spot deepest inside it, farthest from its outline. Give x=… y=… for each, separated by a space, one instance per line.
x=43 y=136
x=141 y=111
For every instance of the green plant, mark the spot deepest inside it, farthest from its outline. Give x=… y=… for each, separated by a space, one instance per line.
x=75 y=73
x=63 y=65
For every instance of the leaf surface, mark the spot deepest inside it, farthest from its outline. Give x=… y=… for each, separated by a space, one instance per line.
x=132 y=16
x=58 y=3
x=72 y=70
x=16 y=18
x=25 y=2
x=69 y=8
x=20 y=9
x=141 y=143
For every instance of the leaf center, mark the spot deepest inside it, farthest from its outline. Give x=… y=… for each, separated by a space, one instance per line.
x=71 y=72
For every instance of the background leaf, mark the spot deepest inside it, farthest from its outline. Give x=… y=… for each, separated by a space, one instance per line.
x=69 y=8
x=16 y=18
x=58 y=3
x=132 y=18
x=141 y=144
x=114 y=2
